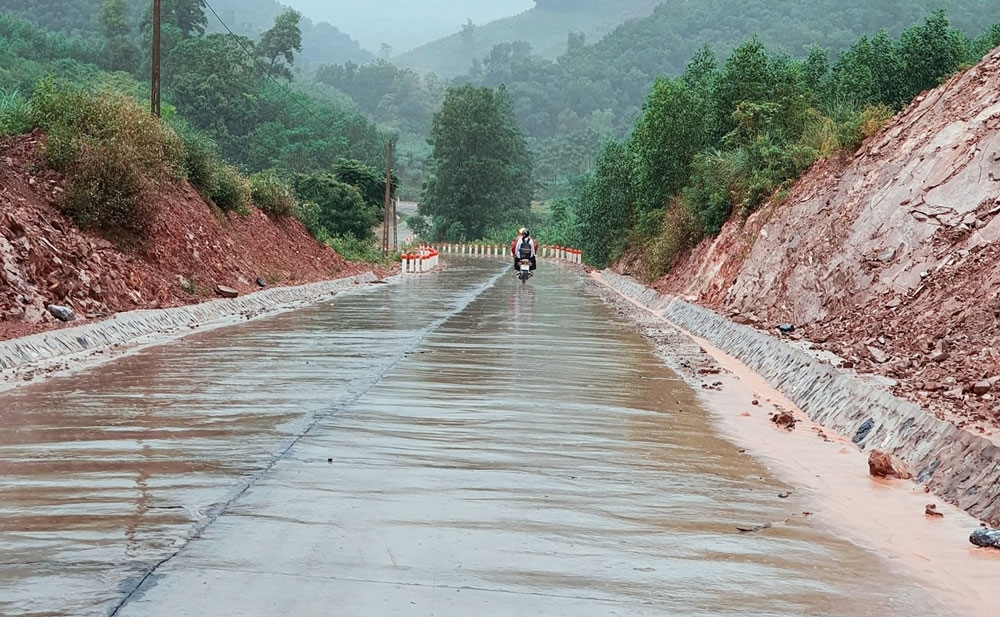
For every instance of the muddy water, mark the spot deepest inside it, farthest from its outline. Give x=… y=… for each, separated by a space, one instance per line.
x=455 y=445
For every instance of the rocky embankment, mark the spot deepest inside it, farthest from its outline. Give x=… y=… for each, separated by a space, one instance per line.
x=889 y=260
x=45 y=260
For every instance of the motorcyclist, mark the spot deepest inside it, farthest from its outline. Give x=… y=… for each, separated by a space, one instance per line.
x=526 y=248
x=513 y=244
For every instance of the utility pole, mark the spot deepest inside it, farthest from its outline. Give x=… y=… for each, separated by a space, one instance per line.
x=388 y=207
x=395 y=223
x=154 y=86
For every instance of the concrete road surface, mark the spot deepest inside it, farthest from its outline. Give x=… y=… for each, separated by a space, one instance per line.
x=455 y=445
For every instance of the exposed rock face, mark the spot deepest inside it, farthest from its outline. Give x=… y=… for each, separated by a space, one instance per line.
x=890 y=259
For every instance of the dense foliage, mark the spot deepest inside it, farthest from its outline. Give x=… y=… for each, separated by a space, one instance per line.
x=321 y=42
x=335 y=208
x=112 y=152
x=570 y=105
x=400 y=100
x=720 y=139
x=226 y=114
x=482 y=172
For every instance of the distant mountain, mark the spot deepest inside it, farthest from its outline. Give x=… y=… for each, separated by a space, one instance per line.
x=322 y=43
x=406 y=24
x=546 y=27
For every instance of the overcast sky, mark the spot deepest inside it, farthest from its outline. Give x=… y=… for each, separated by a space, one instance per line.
x=405 y=24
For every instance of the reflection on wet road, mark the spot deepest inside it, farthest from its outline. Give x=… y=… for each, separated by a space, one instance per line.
x=455 y=445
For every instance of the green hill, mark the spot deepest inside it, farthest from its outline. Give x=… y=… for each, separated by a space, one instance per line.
x=546 y=28
x=321 y=42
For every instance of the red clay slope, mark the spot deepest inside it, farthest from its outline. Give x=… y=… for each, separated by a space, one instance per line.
x=891 y=259
x=45 y=259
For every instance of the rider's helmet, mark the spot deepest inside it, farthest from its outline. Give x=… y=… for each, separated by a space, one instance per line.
x=525 y=233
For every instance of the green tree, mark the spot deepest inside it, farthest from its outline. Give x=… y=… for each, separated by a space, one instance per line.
x=188 y=16
x=604 y=211
x=931 y=52
x=747 y=77
x=366 y=179
x=213 y=83
x=669 y=134
x=280 y=43
x=482 y=168
x=122 y=54
x=871 y=71
x=342 y=209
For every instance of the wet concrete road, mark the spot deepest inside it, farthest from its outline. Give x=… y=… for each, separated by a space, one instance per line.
x=388 y=454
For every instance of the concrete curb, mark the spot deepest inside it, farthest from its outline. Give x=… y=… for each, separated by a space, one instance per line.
x=959 y=466
x=126 y=328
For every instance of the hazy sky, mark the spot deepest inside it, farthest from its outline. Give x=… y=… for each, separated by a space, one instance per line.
x=405 y=24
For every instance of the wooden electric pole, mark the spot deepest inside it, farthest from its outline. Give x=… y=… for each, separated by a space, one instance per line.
x=388 y=207
x=154 y=86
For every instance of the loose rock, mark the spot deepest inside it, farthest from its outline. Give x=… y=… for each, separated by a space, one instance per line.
x=785 y=420
x=883 y=465
x=226 y=292
x=931 y=510
x=986 y=538
x=982 y=387
x=62 y=313
x=878 y=355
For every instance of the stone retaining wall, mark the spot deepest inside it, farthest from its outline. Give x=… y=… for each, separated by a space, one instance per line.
x=128 y=327
x=959 y=466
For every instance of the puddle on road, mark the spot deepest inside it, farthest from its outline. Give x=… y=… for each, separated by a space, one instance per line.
x=531 y=446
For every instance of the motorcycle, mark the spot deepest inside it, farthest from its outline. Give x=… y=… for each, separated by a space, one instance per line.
x=524 y=270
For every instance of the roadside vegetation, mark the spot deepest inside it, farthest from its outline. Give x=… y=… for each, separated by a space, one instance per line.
x=229 y=126
x=481 y=168
x=722 y=138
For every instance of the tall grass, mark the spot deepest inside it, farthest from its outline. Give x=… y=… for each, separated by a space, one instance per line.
x=14 y=118
x=272 y=194
x=113 y=153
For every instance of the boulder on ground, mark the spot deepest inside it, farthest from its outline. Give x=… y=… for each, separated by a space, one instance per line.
x=982 y=387
x=785 y=420
x=986 y=538
x=62 y=313
x=226 y=292
x=878 y=355
x=883 y=465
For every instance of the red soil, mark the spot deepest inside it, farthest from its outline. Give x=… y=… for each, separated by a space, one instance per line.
x=45 y=259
